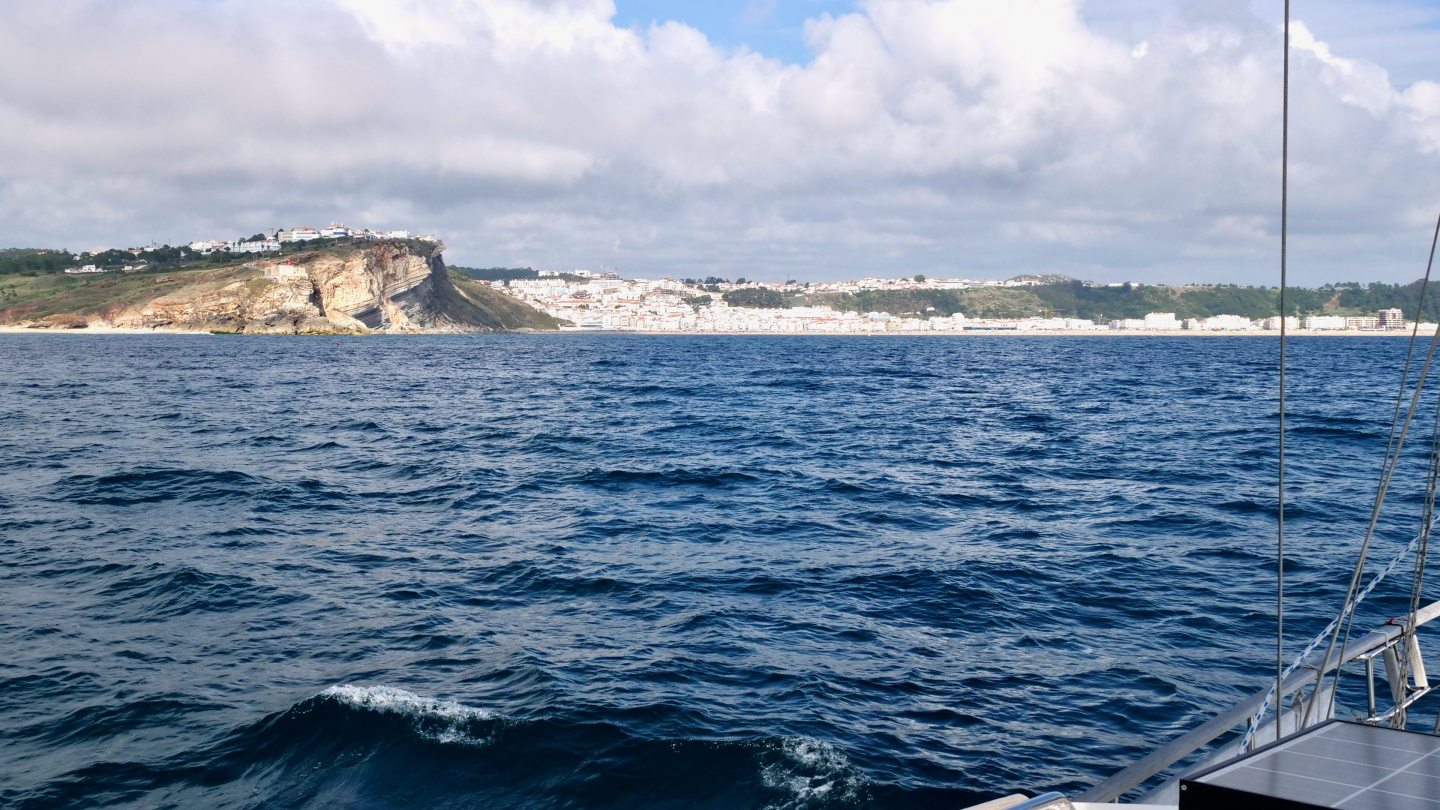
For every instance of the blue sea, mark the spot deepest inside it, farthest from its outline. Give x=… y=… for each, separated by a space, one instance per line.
x=621 y=571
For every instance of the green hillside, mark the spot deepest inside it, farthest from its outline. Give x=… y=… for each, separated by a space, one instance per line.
x=30 y=297
x=496 y=310
x=1073 y=299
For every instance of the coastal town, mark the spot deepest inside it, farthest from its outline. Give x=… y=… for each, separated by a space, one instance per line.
x=588 y=301
x=605 y=302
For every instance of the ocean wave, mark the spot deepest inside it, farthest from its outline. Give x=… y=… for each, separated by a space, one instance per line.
x=153 y=485
x=162 y=592
x=443 y=721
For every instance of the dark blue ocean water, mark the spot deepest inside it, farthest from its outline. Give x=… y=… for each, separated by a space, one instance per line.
x=625 y=571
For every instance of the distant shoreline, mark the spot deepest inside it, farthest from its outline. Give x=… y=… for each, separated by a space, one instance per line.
x=999 y=333
x=1037 y=333
x=95 y=330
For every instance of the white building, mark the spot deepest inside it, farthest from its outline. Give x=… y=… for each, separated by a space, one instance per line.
x=283 y=272
x=1362 y=322
x=1044 y=324
x=1273 y=323
x=1391 y=319
x=1323 y=322
x=297 y=235
x=1227 y=323
x=258 y=246
x=1161 y=321
x=1128 y=324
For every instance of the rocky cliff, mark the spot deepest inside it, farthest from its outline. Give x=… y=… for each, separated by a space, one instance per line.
x=388 y=287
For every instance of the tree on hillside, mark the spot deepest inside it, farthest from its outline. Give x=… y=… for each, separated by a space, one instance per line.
x=1376 y=296
x=757 y=298
x=23 y=262
x=1076 y=300
x=498 y=273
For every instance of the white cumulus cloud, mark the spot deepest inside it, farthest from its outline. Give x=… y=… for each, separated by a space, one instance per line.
x=949 y=137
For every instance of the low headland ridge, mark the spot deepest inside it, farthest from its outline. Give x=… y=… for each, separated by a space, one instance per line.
x=343 y=286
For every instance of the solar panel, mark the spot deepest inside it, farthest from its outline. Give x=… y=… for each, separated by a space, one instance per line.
x=1338 y=764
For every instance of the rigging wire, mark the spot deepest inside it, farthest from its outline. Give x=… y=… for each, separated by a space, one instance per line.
x=1392 y=459
x=1395 y=458
x=1407 y=633
x=1280 y=486
x=1280 y=482
x=1422 y=545
x=1300 y=659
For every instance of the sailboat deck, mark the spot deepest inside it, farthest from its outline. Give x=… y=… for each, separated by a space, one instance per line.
x=1336 y=764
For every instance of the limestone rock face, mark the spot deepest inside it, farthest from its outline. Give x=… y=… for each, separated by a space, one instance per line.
x=224 y=306
x=385 y=287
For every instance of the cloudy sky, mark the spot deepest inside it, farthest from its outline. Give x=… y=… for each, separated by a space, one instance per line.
x=815 y=139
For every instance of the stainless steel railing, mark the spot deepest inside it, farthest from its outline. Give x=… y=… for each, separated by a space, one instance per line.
x=1380 y=642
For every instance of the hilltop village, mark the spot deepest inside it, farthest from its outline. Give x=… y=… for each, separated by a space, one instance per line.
x=107 y=261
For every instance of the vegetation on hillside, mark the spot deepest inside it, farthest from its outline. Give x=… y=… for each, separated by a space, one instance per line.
x=509 y=274
x=33 y=297
x=756 y=298
x=989 y=302
x=1372 y=297
x=24 y=262
x=484 y=306
x=495 y=273
x=1073 y=299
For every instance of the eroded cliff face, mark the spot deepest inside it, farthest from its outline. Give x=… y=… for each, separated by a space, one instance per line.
x=258 y=304
x=386 y=287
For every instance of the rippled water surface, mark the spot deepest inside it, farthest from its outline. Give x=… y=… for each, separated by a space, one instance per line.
x=623 y=571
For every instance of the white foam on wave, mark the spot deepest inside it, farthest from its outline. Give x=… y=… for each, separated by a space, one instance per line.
x=443 y=721
x=812 y=772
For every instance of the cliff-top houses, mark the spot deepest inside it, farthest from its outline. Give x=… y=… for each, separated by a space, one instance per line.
x=334 y=230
